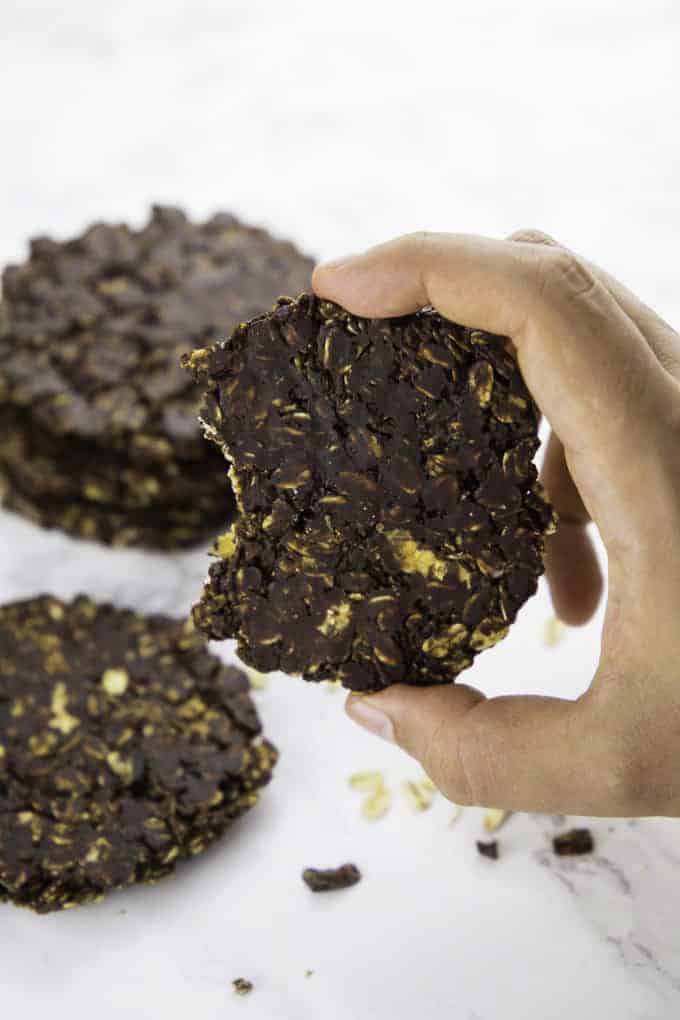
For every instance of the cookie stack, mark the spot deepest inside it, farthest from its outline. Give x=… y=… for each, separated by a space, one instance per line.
x=98 y=423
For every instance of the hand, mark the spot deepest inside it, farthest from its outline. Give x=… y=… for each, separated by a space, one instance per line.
x=604 y=370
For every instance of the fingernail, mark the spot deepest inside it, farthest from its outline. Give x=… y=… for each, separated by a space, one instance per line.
x=362 y=711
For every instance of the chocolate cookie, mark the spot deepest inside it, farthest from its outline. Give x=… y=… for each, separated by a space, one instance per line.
x=391 y=524
x=54 y=468
x=159 y=527
x=124 y=747
x=91 y=331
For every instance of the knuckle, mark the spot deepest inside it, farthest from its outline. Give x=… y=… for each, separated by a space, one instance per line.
x=532 y=236
x=459 y=767
x=420 y=240
x=478 y=766
x=560 y=273
x=438 y=759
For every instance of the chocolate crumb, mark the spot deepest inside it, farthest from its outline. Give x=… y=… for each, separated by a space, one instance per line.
x=489 y=850
x=325 y=880
x=573 y=842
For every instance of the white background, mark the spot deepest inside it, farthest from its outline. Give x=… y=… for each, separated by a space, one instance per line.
x=339 y=125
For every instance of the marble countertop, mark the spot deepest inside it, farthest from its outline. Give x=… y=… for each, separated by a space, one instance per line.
x=339 y=127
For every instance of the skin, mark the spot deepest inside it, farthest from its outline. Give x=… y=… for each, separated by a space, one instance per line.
x=604 y=369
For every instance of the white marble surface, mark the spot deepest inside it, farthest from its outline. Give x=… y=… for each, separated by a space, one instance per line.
x=339 y=125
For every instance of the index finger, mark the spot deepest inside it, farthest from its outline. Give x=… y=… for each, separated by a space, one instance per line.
x=661 y=337
x=586 y=364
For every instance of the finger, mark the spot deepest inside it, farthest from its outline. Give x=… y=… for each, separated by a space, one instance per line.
x=573 y=573
x=557 y=479
x=662 y=338
x=587 y=366
x=571 y=566
x=522 y=753
x=571 y=563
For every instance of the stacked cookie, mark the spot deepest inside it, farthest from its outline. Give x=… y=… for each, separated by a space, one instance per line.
x=98 y=423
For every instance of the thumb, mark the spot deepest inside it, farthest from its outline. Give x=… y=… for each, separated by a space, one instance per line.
x=517 y=752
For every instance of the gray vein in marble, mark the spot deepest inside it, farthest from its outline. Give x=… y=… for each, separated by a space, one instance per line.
x=628 y=894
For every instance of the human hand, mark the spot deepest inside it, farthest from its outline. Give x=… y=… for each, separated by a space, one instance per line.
x=604 y=369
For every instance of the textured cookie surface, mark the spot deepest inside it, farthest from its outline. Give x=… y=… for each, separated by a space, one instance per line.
x=62 y=483
x=72 y=469
x=94 y=327
x=391 y=524
x=158 y=527
x=97 y=419
x=124 y=747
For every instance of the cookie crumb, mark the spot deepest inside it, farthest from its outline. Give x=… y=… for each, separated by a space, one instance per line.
x=494 y=818
x=573 y=842
x=379 y=799
x=326 y=880
x=489 y=850
x=418 y=794
x=553 y=631
x=376 y=806
x=367 y=782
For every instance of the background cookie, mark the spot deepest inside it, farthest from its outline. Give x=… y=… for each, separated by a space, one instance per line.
x=124 y=747
x=95 y=404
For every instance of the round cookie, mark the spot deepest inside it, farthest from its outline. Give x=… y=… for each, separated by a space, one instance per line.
x=91 y=332
x=390 y=520
x=124 y=747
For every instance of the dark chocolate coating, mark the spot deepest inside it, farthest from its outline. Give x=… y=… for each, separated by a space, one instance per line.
x=125 y=745
x=91 y=333
x=573 y=842
x=159 y=527
x=328 y=879
x=489 y=849
x=391 y=524
x=64 y=468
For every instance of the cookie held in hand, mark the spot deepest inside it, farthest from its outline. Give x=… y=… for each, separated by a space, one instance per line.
x=390 y=520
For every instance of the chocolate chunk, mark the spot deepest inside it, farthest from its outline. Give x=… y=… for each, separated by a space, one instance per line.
x=390 y=521
x=125 y=746
x=95 y=406
x=320 y=880
x=489 y=849
x=573 y=842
